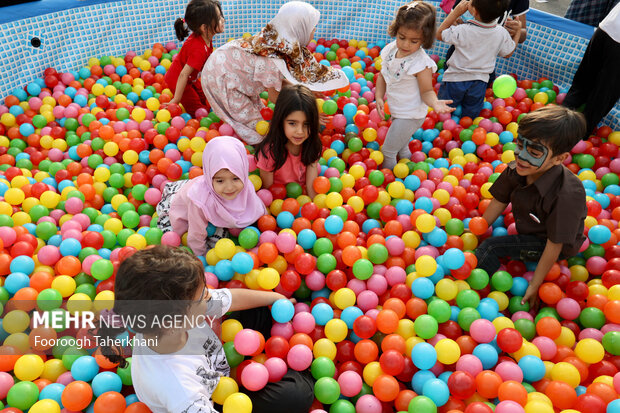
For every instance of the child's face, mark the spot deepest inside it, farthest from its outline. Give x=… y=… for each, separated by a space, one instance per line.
x=226 y=184
x=535 y=151
x=220 y=25
x=408 y=41
x=296 y=128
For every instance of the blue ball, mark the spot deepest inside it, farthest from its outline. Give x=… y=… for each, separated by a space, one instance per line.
x=285 y=219
x=131 y=399
x=404 y=207
x=437 y=237
x=333 y=224
x=52 y=391
x=70 y=247
x=282 y=311
x=436 y=390
x=424 y=203
x=519 y=286
x=242 y=263
x=322 y=313
x=423 y=288
x=23 y=264
x=306 y=238
x=412 y=182
x=85 y=368
x=106 y=381
x=424 y=356
x=599 y=234
x=533 y=368
x=224 y=270
x=33 y=89
x=26 y=129
x=350 y=314
x=454 y=258
x=487 y=354
x=420 y=378
x=16 y=281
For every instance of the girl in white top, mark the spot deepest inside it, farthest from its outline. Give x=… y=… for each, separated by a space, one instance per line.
x=177 y=362
x=406 y=79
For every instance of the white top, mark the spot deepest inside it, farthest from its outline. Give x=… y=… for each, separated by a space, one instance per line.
x=185 y=380
x=476 y=48
x=403 y=92
x=611 y=23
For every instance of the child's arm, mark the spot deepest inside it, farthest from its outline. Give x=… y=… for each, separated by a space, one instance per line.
x=457 y=12
x=493 y=211
x=548 y=258
x=517 y=25
x=425 y=84
x=244 y=299
x=182 y=83
x=312 y=172
x=380 y=94
x=267 y=178
x=515 y=38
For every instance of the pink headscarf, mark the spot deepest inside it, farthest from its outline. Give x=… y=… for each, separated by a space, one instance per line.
x=225 y=152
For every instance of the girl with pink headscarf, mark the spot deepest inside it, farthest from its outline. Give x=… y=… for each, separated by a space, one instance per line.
x=223 y=197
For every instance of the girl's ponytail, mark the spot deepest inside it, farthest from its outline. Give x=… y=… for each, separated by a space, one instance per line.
x=180 y=29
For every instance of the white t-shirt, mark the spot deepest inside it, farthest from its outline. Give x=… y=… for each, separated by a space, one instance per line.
x=476 y=48
x=185 y=380
x=611 y=23
x=403 y=92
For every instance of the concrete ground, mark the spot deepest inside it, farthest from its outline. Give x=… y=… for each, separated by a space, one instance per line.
x=557 y=7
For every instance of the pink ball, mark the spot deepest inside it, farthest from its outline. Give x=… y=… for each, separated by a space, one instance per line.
x=315 y=280
x=254 y=376
x=276 y=367
x=368 y=404
x=509 y=406
x=508 y=370
x=350 y=383
x=546 y=346
x=482 y=330
x=152 y=196
x=171 y=238
x=470 y=364
x=48 y=255
x=6 y=382
x=377 y=284
x=65 y=378
x=211 y=279
x=367 y=300
x=8 y=236
x=522 y=314
x=88 y=263
x=267 y=236
x=617 y=382
x=74 y=205
x=55 y=155
x=339 y=121
x=283 y=330
x=299 y=357
x=596 y=265
x=247 y=342
x=303 y=323
x=568 y=308
x=332 y=173
x=173 y=154
x=201 y=113
x=226 y=130
x=285 y=242
x=72 y=233
x=357 y=286
x=266 y=196
x=395 y=245
x=486 y=124
x=519 y=94
x=591 y=333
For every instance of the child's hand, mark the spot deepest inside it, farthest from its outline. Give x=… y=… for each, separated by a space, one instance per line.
x=462 y=7
x=380 y=105
x=531 y=297
x=458 y=21
x=324 y=119
x=513 y=26
x=442 y=106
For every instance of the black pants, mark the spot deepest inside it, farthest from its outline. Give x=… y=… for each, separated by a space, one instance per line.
x=294 y=393
x=523 y=247
x=596 y=82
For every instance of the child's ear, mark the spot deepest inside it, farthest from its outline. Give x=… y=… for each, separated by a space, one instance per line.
x=559 y=159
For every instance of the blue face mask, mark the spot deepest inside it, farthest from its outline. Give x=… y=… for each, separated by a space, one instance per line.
x=531 y=152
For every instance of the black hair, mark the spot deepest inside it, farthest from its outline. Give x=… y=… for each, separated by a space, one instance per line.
x=197 y=13
x=557 y=127
x=158 y=273
x=292 y=99
x=416 y=15
x=490 y=10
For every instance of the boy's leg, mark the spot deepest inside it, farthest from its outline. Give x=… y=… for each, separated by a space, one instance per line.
x=454 y=91
x=474 y=98
x=258 y=319
x=397 y=139
x=513 y=246
x=293 y=394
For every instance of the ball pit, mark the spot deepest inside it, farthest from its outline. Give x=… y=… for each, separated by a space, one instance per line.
x=392 y=313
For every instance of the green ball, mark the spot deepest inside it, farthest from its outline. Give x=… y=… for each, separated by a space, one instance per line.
x=86 y=252
x=153 y=236
x=594 y=250
x=526 y=327
x=322 y=367
x=592 y=317
x=425 y=326
x=117 y=180
x=329 y=106
x=45 y=230
x=71 y=354
x=248 y=238
x=102 y=269
x=373 y=210
x=49 y=299
x=87 y=118
x=232 y=356
x=331 y=56
x=341 y=212
x=71 y=124
x=362 y=269
x=130 y=219
x=326 y=263
x=23 y=395
x=123 y=235
x=322 y=246
x=421 y=404
x=547 y=312
x=122 y=114
x=440 y=310
x=467 y=299
x=338 y=164
x=83 y=278
x=610 y=179
x=146 y=209
x=528 y=387
x=515 y=305
x=377 y=253
x=327 y=390
x=478 y=279
x=504 y=86
x=467 y=316
x=94 y=160
x=293 y=190
x=303 y=292
x=501 y=281
x=465 y=135
x=355 y=144
x=455 y=226
x=611 y=342
x=138 y=191
x=39 y=121
x=6 y=221
x=109 y=239
x=335 y=184
x=586 y=161
x=376 y=178
x=125 y=373
x=342 y=406
x=88 y=289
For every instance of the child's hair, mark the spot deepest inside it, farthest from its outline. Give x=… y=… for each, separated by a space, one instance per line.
x=292 y=99
x=416 y=15
x=490 y=10
x=198 y=12
x=158 y=273
x=556 y=127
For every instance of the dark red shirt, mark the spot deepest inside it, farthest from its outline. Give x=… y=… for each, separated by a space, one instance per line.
x=194 y=53
x=553 y=207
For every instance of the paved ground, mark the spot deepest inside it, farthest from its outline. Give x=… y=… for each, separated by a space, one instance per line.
x=557 y=7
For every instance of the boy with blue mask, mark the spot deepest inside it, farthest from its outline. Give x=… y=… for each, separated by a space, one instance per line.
x=548 y=200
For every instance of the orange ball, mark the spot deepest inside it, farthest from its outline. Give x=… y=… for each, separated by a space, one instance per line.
x=550 y=293
x=512 y=390
x=77 y=395
x=549 y=327
x=366 y=351
x=561 y=394
x=478 y=225
x=487 y=383
x=110 y=402
x=387 y=321
x=385 y=388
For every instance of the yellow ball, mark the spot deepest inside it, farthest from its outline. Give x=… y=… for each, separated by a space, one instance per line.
x=333 y=200
x=425 y=223
x=97 y=89
x=590 y=350
x=344 y=298
x=579 y=273
x=501 y=299
x=103 y=174
x=357 y=171
x=237 y=403
x=268 y=278
x=21 y=218
x=442 y=196
x=225 y=249
x=446 y=289
x=28 y=367
x=425 y=266
x=104 y=300
x=53 y=368
x=369 y=135
x=356 y=202
x=448 y=351
x=371 y=372
x=137 y=241
x=64 y=284
x=230 y=328
x=138 y=114
x=336 y=330
x=113 y=224
x=401 y=170
x=79 y=302
x=14 y=196
x=470 y=241
x=262 y=127
x=538 y=406
x=501 y=323
x=443 y=214
x=396 y=189
x=225 y=388
x=110 y=149
x=567 y=373
x=411 y=238
x=376 y=156
x=163 y=115
x=130 y=157
x=15 y=321
x=256 y=182
x=45 y=406
x=324 y=348
x=508 y=156
x=152 y=103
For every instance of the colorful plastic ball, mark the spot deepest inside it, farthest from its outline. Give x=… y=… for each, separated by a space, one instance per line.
x=436 y=390
x=533 y=368
x=106 y=381
x=504 y=86
x=299 y=357
x=422 y=404
x=282 y=311
x=424 y=356
x=23 y=395
x=350 y=383
x=247 y=342
x=254 y=376
x=237 y=403
x=426 y=326
x=590 y=350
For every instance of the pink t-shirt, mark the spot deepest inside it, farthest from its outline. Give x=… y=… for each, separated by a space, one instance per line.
x=293 y=169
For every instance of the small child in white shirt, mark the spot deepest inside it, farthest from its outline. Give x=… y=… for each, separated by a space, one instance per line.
x=406 y=78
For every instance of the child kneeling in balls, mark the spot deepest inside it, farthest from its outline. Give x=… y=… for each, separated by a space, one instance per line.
x=177 y=368
x=548 y=200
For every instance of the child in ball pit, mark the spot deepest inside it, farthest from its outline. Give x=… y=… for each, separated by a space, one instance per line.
x=223 y=197
x=406 y=78
x=292 y=148
x=178 y=369
x=548 y=200
x=204 y=18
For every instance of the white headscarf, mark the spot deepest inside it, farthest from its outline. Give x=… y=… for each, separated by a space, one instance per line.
x=295 y=21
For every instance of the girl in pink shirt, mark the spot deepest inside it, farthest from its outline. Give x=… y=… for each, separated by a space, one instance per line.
x=292 y=148
x=223 y=197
